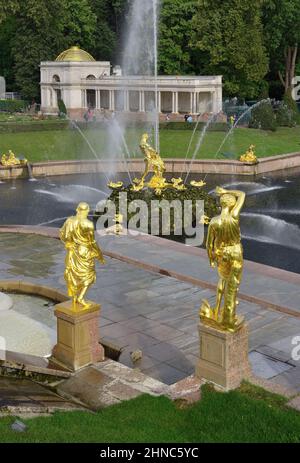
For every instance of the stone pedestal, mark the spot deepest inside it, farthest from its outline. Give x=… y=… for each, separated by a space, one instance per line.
x=77 y=336
x=223 y=356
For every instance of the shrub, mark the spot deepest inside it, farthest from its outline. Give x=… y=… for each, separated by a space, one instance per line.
x=263 y=117
x=285 y=116
x=13 y=106
x=62 y=107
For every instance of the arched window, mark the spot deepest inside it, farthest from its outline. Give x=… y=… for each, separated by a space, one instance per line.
x=90 y=77
x=56 y=78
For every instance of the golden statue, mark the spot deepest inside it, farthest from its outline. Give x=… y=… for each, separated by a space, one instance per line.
x=115 y=185
x=178 y=184
x=11 y=159
x=153 y=162
x=78 y=236
x=199 y=184
x=225 y=250
x=249 y=157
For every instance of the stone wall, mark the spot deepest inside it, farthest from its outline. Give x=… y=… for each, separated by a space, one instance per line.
x=173 y=166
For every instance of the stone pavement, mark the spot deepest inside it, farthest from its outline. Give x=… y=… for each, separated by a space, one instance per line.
x=143 y=309
x=24 y=397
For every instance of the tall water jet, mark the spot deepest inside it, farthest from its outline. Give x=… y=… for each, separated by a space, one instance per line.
x=140 y=59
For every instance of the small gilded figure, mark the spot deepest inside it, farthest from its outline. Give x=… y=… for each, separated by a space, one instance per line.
x=10 y=159
x=78 y=237
x=225 y=251
x=249 y=157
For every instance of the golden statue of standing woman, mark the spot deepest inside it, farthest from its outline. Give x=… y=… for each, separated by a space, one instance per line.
x=225 y=251
x=78 y=236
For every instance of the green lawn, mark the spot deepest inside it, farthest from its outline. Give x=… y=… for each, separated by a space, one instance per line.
x=69 y=144
x=248 y=415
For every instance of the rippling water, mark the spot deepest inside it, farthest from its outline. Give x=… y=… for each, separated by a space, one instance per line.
x=270 y=221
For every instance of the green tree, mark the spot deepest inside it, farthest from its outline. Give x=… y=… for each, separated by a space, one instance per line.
x=45 y=28
x=7 y=7
x=7 y=34
x=109 y=14
x=78 y=23
x=282 y=37
x=229 y=35
x=175 y=54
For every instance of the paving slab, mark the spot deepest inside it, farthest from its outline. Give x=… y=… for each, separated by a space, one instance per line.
x=22 y=397
x=147 y=310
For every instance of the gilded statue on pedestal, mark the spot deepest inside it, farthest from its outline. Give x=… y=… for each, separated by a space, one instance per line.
x=10 y=160
x=249 y=157
x=78 y=237
x=225 y=251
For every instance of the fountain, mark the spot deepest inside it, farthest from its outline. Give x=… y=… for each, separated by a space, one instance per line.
x=140 y=58
x=5 y=302
x=155 y=189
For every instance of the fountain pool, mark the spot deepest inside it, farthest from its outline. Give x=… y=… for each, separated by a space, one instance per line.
x=270 y=221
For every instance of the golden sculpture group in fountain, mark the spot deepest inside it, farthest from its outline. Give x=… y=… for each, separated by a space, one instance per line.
x=249 y=157
x=78 y=237
x=10 y=160
x=154 y=163
x=225 y=251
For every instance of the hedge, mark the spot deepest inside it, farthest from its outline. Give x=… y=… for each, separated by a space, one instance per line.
x=12 y=106
x=30 y=126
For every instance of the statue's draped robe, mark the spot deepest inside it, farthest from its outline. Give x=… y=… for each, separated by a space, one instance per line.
x=78 y=236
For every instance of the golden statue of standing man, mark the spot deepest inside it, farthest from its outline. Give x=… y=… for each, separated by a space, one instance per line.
x=154 y=162
x=225 y=251
x=78 y=236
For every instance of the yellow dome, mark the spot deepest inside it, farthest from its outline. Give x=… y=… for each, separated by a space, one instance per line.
x=74 y=54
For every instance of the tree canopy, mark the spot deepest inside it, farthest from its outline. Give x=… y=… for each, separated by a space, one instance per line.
x=230 y=34
x=254 y=45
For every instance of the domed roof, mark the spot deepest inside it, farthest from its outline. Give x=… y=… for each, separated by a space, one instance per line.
x=75 y=54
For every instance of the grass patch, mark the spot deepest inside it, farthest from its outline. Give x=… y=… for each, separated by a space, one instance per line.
x=258 y=393
x=237 y=416
x=67 y=144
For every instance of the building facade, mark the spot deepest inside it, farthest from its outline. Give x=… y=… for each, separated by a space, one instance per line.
x=82 y=83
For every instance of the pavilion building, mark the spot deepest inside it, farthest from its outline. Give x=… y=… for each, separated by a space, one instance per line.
x=82 y=83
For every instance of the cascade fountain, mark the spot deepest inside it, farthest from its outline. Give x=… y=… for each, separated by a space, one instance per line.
x=140 y=57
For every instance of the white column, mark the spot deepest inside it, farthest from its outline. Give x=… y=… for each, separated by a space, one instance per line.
x=194 y=103
x=176 y=102
x=142 y=101
x=159 y=102
x=98 y=99
x=111 y=100
x=126 y=100
x=191 y=102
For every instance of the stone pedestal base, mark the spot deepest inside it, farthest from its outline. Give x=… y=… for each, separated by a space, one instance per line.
x=223 y=356
x=77 y=336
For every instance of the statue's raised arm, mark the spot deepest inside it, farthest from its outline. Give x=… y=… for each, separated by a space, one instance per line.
x=240 y=199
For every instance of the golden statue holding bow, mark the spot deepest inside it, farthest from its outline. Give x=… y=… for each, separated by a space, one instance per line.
x=225 y=251
x=78 y=236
